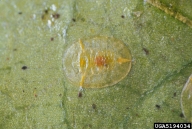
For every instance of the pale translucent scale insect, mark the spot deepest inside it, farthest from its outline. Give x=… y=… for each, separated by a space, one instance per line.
x=186 y=99
x=96 y=62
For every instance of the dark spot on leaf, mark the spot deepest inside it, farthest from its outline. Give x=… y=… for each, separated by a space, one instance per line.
x=74 y=20
x=52 y=38
x=14 y=49
x=46 y=11
x=23 y=91
x=175 y=94
x=181 y=115
x=122 y=16
x=146 y=51
x=45 y=15
x=137 y=115
x=80 y=94
x=20 y=13
x=157 y=106
x=94 y=106
x=56 y=15
x=24 y=68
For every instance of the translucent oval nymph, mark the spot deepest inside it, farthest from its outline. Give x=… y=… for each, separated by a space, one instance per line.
x=96 y=62
x=186 y=99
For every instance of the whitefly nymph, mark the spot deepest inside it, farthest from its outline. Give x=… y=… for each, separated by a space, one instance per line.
x=96 y=62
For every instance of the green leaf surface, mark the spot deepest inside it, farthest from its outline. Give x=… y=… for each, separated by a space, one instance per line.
x=34 y=35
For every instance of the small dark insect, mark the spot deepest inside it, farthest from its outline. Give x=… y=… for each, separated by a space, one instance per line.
x=56 y=15
x=94 y=106
x=80 y=94
x=157 y=106
x=146 y=51
x=181 y=115
x=73 y=20
x=24 y=67
x=19 y=12
x=122 y=16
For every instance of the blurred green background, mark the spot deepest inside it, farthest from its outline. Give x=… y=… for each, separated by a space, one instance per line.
x=34 y=92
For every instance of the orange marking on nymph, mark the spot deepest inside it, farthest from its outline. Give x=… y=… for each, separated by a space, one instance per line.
x=100 y=61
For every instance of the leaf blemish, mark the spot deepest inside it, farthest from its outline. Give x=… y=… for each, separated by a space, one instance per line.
x=181 y=115
x=146 y=51
x=52 y=38
x=94 y=106
x=122 y=16
x=24 y=68
x=73 y=20
x=157 y=106
x=80 y=94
